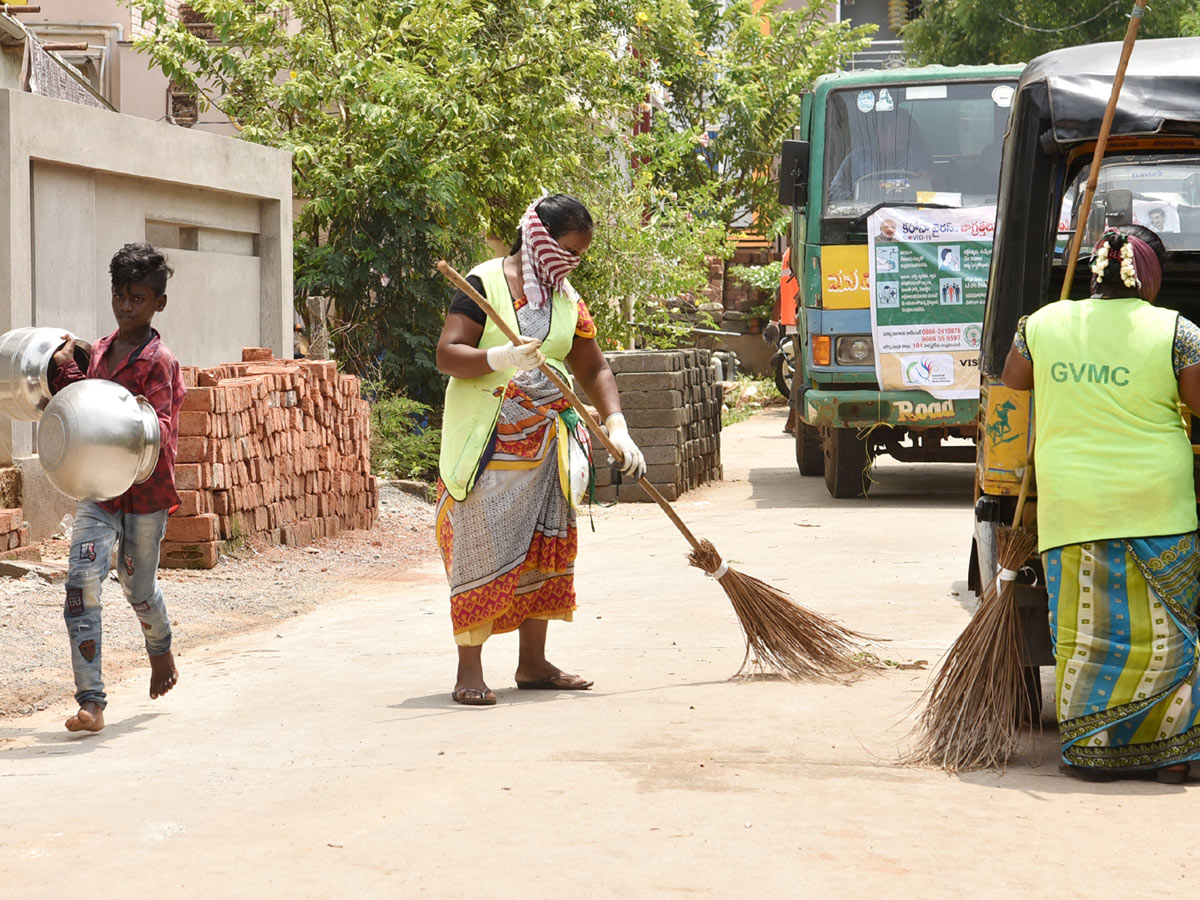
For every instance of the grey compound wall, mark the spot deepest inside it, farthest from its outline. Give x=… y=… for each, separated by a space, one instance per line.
x=77 y=183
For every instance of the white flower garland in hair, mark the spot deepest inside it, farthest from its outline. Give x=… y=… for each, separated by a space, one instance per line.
x=1128 y=272
x=1100 y=261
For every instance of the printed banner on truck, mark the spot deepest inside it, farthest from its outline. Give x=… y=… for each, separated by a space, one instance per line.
x=929 y=271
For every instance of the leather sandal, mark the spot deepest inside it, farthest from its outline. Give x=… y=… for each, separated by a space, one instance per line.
x=473 y=697
x=1176 y=774
x=1085 y=774
x=563 y=681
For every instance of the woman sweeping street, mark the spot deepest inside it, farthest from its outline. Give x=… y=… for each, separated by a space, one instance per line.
x=505 y=521
x=1116 y=512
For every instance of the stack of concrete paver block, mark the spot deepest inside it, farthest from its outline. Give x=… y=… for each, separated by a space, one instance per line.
x=673 y=407
x=274 y=449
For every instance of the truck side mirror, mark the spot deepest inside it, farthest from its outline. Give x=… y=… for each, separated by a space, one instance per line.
x=793 y=173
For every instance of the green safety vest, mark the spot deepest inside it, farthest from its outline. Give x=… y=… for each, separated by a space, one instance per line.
x=473 y=404
x=1113 y=458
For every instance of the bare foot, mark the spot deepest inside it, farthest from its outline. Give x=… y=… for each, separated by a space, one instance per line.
x=163 y=674
x=89 y=718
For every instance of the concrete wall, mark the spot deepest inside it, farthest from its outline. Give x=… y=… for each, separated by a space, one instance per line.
x=77 y=183
x=141 y=90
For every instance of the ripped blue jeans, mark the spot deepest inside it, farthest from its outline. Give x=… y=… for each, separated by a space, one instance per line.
x=136 y=538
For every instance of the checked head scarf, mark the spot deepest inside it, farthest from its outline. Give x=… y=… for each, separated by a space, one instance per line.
x=546 y=264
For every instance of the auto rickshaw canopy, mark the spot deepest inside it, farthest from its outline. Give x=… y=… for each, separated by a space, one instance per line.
x=1056 y=114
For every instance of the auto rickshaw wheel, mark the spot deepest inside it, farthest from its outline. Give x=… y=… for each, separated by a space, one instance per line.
x=847 y=462
x=809 y=458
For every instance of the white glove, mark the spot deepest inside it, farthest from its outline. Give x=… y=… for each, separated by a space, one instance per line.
x=633 y=463
x=524 y=356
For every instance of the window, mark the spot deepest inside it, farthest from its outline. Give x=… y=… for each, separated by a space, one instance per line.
x=1160 y=191
x=910 y=143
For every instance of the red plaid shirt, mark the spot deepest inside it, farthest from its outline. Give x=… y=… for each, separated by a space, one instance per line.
x=151 y=371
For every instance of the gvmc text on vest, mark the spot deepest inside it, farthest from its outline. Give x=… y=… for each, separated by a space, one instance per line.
x=1089 y=372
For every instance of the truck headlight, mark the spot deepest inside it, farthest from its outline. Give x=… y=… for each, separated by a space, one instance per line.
x=855 y=350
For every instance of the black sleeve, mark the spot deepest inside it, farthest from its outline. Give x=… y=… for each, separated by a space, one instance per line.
x=463 y=304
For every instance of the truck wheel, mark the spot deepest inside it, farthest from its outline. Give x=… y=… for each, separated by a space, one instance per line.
x=846 y=463
x=809 y=459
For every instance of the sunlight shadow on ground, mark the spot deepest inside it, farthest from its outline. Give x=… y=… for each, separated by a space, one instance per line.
x=896 y=485
x=61 y=742
x=512 y=695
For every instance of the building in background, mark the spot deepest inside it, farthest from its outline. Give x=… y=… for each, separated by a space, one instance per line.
x=78 y=180
x=887 y=47
x=97 y=37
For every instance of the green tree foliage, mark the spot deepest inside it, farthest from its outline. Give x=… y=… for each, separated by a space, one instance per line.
x=738 y=68
x=415 y=127
x=970 y=32
x=650 y=246
x=418 y=127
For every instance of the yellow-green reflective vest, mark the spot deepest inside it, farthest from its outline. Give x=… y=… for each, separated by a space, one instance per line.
x=1112 y=458
x=473 y=404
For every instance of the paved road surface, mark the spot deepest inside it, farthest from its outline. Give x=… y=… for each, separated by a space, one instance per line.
x=324 y=759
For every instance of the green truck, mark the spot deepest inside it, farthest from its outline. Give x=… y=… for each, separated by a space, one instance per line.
x=912 y=138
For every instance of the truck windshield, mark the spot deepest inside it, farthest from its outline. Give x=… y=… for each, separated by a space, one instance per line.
x=1160 y=191
x=909 y=143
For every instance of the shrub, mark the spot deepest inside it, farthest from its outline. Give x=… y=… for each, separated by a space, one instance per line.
x=404 y=441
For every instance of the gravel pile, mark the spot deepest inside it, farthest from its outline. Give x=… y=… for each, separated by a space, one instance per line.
x=251 y=589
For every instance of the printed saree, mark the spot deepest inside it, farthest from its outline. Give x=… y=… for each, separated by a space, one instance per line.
x=1123 y=621
x=509 y=548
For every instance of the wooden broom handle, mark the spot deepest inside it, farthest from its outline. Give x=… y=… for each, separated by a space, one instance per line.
x=1023 y=495
x=1135 y=20
x=546 y=369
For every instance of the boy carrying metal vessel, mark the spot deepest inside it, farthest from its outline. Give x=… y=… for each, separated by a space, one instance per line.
x=135 y=357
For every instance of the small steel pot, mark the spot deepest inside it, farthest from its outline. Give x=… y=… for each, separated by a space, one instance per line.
x=96 y=439
x=26 y=370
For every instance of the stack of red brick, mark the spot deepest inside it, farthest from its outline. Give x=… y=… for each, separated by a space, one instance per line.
x=268 y=448
x=14 y=532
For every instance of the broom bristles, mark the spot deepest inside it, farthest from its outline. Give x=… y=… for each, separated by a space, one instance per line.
x=977 y=700
x=781 y=635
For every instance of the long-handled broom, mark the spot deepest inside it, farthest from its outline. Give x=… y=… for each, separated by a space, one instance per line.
x=977 y=701
x=780 y=635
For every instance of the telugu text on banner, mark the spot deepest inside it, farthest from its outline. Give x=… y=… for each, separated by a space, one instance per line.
x=929 y=271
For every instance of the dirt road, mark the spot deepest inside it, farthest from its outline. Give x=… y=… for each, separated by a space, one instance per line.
x=322 y=757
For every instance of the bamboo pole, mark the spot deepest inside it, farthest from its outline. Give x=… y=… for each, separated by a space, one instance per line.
x=779 y=633
x=1135 y=21
x=977 y=699
x=465 y=286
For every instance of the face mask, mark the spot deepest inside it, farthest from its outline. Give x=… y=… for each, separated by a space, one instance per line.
x=546 y=264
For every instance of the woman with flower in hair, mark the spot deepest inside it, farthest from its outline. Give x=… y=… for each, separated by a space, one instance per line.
x=505 y=521
x=1116 y=512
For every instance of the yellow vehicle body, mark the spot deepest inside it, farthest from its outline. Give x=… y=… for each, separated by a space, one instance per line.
x=1003 y=437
